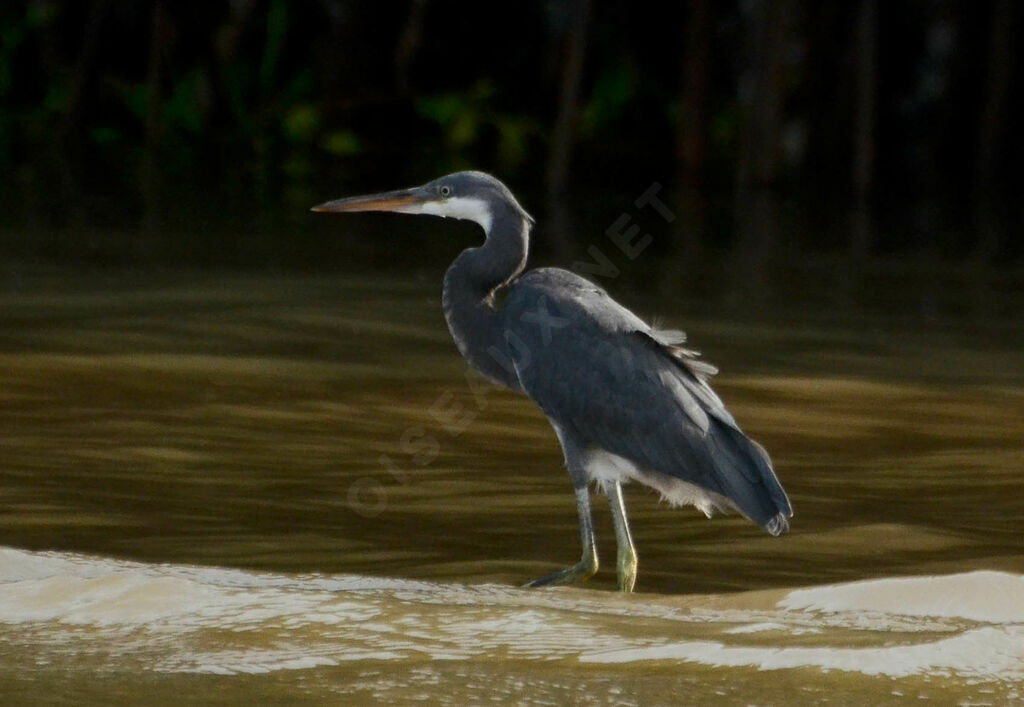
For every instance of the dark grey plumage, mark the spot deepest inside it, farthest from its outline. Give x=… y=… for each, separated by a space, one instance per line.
x=607 y=381
x=628 y=402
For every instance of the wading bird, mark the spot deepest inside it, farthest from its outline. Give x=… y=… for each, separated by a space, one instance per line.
x=628 y=402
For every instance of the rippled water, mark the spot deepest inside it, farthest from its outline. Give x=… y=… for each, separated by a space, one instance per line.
x=99 y=622
x=288 y=489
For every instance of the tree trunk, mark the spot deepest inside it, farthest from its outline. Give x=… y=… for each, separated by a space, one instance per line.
x=560 y=157
x=568 y=100
x=866 y=42
x=150 y=155
x=687 y=250
x=691 y=137
x=771 y=26
x=990 y=131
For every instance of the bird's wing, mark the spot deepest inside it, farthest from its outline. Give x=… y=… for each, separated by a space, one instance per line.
x=604 y=375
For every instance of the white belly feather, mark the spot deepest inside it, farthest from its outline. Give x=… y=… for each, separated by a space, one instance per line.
x=604 y=467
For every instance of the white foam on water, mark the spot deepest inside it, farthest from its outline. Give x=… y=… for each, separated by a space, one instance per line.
x=178 y=618
x=994 y=652
x=986 y=653
x=993 y=597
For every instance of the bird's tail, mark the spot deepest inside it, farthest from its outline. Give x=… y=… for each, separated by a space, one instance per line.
x=747 y=477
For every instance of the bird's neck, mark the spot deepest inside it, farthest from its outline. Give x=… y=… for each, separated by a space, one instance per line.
x=470 y=286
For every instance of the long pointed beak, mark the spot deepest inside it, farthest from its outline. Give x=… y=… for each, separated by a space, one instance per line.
x=401 y=201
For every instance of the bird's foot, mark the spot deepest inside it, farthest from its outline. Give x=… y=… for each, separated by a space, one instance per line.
x=626 y=569
x=581 y=571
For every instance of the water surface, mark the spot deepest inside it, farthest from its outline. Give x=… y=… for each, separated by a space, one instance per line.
x=288 y=488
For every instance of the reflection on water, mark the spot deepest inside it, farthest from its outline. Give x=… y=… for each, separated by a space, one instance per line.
x=285 y=427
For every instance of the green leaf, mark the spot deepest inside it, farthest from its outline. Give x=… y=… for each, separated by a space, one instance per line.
x=613 y=91
x=277 y=28
x=104 y=135
x=185 y=108
x=441 y=108
x=342 y=143
x=301 y=122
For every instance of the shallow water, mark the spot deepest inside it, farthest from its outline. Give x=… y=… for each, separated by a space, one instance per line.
x=287 y=488
x=87 y=625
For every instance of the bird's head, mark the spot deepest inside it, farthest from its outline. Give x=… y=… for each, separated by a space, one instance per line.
x=474 y=196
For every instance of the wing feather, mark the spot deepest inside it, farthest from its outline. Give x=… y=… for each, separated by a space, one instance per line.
x=607 y=378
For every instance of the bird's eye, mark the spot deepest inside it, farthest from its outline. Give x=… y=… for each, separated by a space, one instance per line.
x=445 y=191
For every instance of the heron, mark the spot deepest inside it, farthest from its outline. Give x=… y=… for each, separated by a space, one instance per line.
x=627 y=401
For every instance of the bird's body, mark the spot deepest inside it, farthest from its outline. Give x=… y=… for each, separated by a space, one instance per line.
x=648 y=414
x=627 y=401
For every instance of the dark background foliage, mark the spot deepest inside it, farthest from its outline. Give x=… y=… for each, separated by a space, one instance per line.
x=135 y=130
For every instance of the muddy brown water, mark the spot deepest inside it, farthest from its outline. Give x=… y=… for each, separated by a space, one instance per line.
x=286 y=489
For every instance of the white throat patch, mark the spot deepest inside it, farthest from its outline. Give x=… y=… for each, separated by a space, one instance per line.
x=459 y=207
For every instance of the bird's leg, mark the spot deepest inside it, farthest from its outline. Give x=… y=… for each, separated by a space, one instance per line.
x=626 y=559
x=587 y=565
